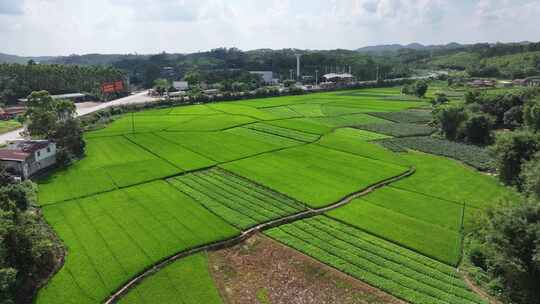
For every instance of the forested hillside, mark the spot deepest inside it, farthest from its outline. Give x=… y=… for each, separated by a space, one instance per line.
x=19 y=80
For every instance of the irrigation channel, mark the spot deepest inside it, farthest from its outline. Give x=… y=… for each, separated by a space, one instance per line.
x=123 y=290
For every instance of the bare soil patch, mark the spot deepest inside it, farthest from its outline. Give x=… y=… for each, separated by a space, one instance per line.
x=263 y=271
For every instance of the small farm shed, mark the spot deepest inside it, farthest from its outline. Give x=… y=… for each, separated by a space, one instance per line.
x=26 y=157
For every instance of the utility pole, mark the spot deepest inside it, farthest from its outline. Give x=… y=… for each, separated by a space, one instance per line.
x=316 y=77
x=377 y=72
x=290 y=72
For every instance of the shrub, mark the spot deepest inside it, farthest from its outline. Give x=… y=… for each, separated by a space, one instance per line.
x=511 y=151
x=477 y=129
x=513 y=118
x=450 y=118
x=530 y=175
x=531 y=115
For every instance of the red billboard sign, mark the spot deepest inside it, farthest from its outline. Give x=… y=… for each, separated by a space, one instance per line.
x=112 y=87
x=118 y=85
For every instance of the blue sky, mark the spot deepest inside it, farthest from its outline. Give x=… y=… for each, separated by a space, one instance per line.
x=61 y=27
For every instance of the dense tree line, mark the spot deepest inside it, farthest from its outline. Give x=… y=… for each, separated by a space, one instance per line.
x=227 y=66
x=505 y=247
x=29 y=251
x=19 y=80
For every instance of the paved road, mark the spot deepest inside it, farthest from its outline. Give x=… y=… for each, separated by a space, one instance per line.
x=88 y=107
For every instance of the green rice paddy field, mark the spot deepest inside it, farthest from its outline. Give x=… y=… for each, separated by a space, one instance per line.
x=158 y=182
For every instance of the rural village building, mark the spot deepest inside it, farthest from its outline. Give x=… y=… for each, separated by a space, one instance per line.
x=26 y=157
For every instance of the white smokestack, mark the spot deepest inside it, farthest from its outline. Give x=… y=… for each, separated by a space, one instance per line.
x=298 y=66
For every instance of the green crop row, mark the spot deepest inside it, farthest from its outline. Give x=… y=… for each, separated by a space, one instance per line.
x=469 y=154
x=186 y=281
x=113 y=236
x=408 y=116
x=284 y=132
x=373 y=265
x=398 y=129
x=243 y=205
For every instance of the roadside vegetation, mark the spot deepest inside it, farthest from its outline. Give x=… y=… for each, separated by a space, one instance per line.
x=29 y=250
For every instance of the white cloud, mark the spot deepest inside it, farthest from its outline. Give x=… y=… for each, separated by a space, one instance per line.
x=43 y=27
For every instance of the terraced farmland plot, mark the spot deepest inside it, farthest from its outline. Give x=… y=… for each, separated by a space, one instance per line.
x=400 y=272
x=175 y=154
x=212 y=123
x=404 y=218
x=474 y=156
x=239 y=201
x=281 y=112
x=354 y=141
x=283 y=132
x=223 y=146
x=236 y=109
x=409 y=116
x=348 y=120
x=110 y=162
x=139 y=124
x=186 y=281
x=448 y=179
x=312 y=174
x=266 y=137
x=307 y=125
x=194 y=110
x=371 y=104
x=307 y=109
x=398 y=129
x=113 y=236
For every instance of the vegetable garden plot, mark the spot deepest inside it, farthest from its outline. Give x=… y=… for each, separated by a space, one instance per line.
x=312 y=174
x=408 y=116
x=173 y=153
x=394 y=269
x=113 y=236
x=398 y=129
x=186 y=281
x=425 y=237
x=222 y=146
x=212 y=123
x=237 y=109
x=471 y=155
x=354 y=141
x=240 y=202
x=283 y=132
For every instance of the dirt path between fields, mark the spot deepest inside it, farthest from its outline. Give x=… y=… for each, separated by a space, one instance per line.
x=250 y=232
x=261 y=270
x=478 y=290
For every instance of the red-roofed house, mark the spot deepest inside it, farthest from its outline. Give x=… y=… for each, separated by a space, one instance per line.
x=26 y=157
